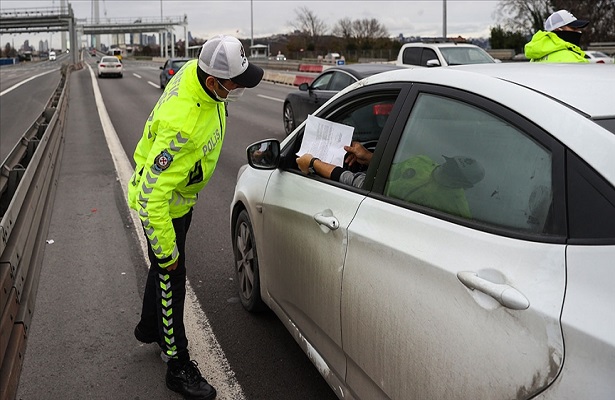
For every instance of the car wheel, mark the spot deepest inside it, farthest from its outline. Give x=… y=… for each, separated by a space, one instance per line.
x=289 y=119
x=246 y=264
x=161 y=85
x=121 y=75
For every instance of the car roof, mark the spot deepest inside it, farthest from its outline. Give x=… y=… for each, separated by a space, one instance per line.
x=443 y=44
x=363 y=70
x=573 y=84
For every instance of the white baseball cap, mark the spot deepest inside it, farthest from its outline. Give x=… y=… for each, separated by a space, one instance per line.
x=563 y=18
x=223 y=57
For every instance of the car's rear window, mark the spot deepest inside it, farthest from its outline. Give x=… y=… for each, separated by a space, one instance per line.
x=110 y=59
x=178 y=64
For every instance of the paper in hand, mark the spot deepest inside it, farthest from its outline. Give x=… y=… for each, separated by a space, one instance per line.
x=326 y=140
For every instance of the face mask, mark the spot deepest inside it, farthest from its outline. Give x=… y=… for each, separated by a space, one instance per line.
x=232 y=95
x=570 y=36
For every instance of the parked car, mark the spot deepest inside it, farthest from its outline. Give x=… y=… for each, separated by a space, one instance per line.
x=442 y=54
x=52 y=56
x=599 y=57
x=170 y=68
x=297 y=105
x=487 y=285
x=110 y=66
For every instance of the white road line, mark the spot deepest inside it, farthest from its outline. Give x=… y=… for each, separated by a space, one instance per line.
x=203 y=346
x=153 y=84
x=26 y=81
x=270 y=98
x=137 y=75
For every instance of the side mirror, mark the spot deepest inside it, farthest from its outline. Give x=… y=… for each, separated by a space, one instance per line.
x=304 y=87
x=97 y=61
x=433 y=63
x=264 y=154
x=161 y=67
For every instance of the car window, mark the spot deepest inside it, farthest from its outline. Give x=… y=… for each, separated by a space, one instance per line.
x=428 y=54
x=178 y=64
x=340 y=80
x=110 y=59
x=465 y=55
x=412 y=56
x=322 y=81
x=462 y=160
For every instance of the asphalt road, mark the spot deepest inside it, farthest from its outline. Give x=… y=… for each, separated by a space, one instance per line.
x=263 y=356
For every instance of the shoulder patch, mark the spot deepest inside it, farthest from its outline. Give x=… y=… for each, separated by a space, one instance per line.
x=163 y=161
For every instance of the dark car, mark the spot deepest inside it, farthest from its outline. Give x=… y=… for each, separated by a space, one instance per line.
x=170 y=68
x=310 y=97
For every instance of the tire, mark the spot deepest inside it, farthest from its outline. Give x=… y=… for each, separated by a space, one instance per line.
x=289 y=119
x=246 y=264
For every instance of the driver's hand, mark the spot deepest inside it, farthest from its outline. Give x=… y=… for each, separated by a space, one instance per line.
x=358 y=154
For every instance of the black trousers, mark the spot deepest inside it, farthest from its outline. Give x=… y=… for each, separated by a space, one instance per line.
x=163 y=301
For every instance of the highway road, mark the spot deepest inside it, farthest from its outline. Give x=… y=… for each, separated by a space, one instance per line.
x=263 y=356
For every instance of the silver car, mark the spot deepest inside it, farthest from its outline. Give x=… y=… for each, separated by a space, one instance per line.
x=494 y=283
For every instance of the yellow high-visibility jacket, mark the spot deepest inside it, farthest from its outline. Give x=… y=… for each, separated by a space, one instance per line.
x=548 y=47
x=175 y=158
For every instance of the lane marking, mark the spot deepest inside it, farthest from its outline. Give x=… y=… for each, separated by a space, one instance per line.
x=137 y=75
x=203 y=345
x=153 y=84
x=26 y=81
x=270 y=98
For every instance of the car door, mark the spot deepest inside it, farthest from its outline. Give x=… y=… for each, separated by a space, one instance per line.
x=305 y=225
x=317 y=94
x=455 y=272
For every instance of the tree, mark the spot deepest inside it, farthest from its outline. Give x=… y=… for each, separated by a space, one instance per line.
x=526 y=16
x=502 y=39
x=360 y=33
x=309 y=26
x=7 y=49
x=599 y=13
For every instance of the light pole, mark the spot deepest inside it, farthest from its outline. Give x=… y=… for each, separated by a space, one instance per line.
x=251 y=24
x=444 y=19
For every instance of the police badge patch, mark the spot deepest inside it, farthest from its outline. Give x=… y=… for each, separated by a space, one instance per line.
x=162 y=161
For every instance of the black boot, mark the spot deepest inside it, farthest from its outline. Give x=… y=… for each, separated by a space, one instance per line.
x=187 y=380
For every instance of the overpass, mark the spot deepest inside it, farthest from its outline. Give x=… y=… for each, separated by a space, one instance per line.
x=56 y=19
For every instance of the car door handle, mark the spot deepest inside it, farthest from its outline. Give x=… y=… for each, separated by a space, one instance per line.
x=327 y=219
x=506 y=295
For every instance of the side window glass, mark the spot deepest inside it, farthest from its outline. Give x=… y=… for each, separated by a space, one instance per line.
x=412 y=56
x=340 y=81
x=461 y=160
x=322 y=82
x=368 y=119
x=428 y=54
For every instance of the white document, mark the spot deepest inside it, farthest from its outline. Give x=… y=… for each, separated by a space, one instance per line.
x=326 y=140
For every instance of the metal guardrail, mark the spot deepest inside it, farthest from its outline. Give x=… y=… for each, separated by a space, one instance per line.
x=28 y=181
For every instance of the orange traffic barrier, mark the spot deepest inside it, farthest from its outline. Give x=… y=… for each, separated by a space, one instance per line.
x=310 y=68
x=299 y=79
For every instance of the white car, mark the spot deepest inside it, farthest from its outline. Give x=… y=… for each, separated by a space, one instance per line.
x=442 y=54
x=110 y=66
x=599 y=57
x=477 y=259
x=52 y=56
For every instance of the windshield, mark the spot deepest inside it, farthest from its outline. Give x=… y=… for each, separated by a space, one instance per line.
x=465 y=55
x=608 y=124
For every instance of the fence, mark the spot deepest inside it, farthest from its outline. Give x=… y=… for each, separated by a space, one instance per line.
x=28 y=181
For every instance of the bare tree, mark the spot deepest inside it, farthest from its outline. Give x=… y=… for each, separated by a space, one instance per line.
x=309 y=25
x=599 y=13
x=526 y=16
x=343 y=28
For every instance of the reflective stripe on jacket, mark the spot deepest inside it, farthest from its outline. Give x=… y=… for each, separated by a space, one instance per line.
x=175 y=158
x=548 y=47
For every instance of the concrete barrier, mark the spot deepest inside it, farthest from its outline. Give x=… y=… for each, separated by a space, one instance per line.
x=299 y=79
x=310 y=68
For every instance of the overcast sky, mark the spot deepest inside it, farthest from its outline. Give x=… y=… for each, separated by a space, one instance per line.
x=242 y=18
